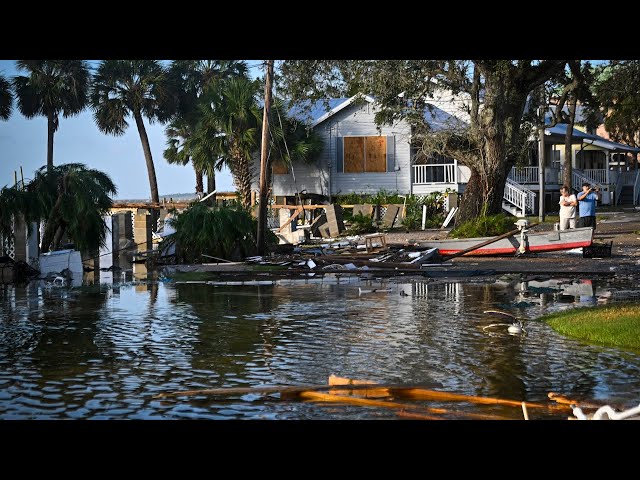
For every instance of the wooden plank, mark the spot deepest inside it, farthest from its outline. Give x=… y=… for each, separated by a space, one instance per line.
x=390 y=215
x=278 y=167
x=447 y=220
x=376 y=154
x=334 y=219
x=299 y=210
x=354 y=154
x=426 y=394
x=365 y=402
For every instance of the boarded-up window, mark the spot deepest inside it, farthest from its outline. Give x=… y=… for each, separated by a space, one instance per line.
x=364 y=154
x=279 y=167
x=375 y=154
x=354 y=154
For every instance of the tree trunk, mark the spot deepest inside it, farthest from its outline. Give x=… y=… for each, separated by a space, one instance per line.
x=500 y=140
x=211 y=185
x=242 y=174
x=199 y=183
x=51 y=130
x=54 y=220
x=568 y=153
x=57 y=238
x=151 y=170
x=242 y=179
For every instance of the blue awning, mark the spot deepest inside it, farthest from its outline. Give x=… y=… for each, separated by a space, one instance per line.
x=557 y=133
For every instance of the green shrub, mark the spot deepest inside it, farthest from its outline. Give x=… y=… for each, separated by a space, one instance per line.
x=413 y=211
x=488 y=226
x=225 y=232
x=361 y=224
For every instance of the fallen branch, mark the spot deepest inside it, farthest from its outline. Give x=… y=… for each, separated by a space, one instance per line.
x=365 y=402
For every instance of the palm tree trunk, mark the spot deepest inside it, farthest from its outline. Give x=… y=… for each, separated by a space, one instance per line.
x=242 y=178
x=51 y=129
x=211 y=185
x=199 y=183
x=57 y=238
x=151 y=170
x=53 y=222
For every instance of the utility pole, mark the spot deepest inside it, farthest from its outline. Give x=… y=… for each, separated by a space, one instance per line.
x=264 y=151
x=541 y=163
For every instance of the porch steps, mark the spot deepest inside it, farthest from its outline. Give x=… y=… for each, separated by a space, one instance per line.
x=626 y=195
x=512 y=209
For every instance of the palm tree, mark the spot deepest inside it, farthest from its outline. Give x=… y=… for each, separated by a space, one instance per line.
x=51 y=88
x=71 y=198
x=291 y=140
x=178 y=133
x=230 y=127
x=6 y=98
x=189 y=78
x=139 y=88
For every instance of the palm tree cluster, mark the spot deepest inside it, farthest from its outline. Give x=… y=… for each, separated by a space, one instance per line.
x=71 y=199
x=211 y=108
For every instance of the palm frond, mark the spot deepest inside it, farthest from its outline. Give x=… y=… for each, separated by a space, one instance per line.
x=6 y=98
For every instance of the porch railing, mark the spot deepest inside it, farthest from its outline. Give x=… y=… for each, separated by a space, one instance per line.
x=435 y=173
x=528 y=175
x=520 y=196
x=596 y=175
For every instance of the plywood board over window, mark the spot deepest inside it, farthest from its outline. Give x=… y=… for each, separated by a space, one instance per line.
x=279 y=167
x=354 y=154
x=376 y=154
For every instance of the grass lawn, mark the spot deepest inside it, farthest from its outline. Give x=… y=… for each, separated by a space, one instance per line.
x=609 y=325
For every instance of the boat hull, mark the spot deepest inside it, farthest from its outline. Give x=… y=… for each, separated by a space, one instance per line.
x=534 y=243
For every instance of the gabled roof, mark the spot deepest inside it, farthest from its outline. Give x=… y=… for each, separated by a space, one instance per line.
x=440 y=120
x=319 y=113
x=437 y=118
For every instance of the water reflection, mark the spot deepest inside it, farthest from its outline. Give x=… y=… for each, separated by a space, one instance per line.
x=105 y=350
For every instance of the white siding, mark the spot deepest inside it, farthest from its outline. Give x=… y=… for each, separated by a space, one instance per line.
x=322 y=176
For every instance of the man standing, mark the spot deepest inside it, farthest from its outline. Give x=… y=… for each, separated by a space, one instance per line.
x=568 y=204
x=587 y=205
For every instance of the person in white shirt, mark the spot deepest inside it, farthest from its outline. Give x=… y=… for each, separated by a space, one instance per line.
x=568 y=204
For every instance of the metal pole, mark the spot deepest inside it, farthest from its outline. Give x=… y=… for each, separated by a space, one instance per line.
x=541 y=164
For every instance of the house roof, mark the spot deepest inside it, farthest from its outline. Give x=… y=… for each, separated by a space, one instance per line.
x=340 y=104
x=440 y=120
x=557 y=133
x=437 y=118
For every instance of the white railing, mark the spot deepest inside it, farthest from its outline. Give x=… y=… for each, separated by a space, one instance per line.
x=435 y=173
x=516 y=194
x=525 y=175
x=636 y=189
x=577 y=179
x=596 y=175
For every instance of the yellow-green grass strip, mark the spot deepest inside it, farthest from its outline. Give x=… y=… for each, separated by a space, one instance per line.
x=609 y=325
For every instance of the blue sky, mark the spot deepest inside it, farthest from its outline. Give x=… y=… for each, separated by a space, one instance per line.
x=23 y=143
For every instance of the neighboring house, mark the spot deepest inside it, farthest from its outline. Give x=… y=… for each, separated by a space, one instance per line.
x=595 y=159
x=360 y=157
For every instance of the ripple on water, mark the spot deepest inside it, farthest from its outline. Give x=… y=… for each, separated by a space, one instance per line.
x=182 y=337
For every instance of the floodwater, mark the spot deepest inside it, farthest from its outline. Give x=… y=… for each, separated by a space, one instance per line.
x=105 y=351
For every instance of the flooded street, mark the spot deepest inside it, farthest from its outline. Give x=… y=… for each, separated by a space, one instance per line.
x=104 y=351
